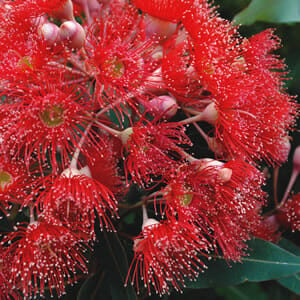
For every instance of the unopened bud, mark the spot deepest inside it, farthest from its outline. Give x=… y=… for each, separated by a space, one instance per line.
x=164 y=105
x=64 y=12
x=94 y=8
x=159 y=28
x=155 y=83
x=72 y=33
x=49 y=32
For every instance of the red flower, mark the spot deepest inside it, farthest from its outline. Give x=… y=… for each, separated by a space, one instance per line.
x=15 y=181
x=221 y=199
x=7 y=290
x=178 y=69
x=169 y=10
x=50 y=118
x=166 y=253
x=253 y=111
x=73 y=199
x=102 y=162
x=49 y=6
x=215 y=44
x=44 y=254
x=289 y=214
x=267 y=229
x=149 y=146
x=23 y=52
x=119 y=56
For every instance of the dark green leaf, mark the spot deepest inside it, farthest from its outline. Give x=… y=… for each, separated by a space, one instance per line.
x=292 y=282
x=120 y=119
x=87 y=288
x=289 y=246
x=246 y=291
x=266 y=261
x=115 y=266
x=277 y=11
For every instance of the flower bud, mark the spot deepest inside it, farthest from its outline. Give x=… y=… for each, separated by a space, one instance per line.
x=94 y=8
x=155 y=83
x=72 y=33
x=164 y=105
x=50 y=32
x=64 y=12
x=159 y=28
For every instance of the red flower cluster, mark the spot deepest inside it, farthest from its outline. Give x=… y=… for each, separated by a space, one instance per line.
x=85 y=114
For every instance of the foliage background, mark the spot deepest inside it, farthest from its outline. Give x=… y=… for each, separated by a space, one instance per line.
x=111 y=256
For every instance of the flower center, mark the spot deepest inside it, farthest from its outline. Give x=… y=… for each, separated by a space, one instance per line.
x=186 y=196
x=5 y=180
x=52 y=116
x=186 y=199
x=25 y=63
x=114 y=68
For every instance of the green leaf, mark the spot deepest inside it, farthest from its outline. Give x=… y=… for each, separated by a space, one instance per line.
x=246 y=291
x=266 y=261
x=87 y=288
x=292 y=282
x=121 y=119
x=289 y=246
x=116 y=267
x=274 y=11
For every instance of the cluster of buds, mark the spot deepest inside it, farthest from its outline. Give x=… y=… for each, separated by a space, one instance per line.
x=65 y=68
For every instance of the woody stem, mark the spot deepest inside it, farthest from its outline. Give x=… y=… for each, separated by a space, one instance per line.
x=293 y=178
x=145 y=214
x=196 y=118
x=73 y=164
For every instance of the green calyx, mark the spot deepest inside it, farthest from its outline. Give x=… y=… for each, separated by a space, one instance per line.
x=6 y=180
x=114 y=67
x=53 y=116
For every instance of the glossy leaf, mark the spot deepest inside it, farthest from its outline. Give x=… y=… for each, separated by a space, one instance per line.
x=274 y=11
x=266 y=261
x=246 y=291
x=292 y=282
